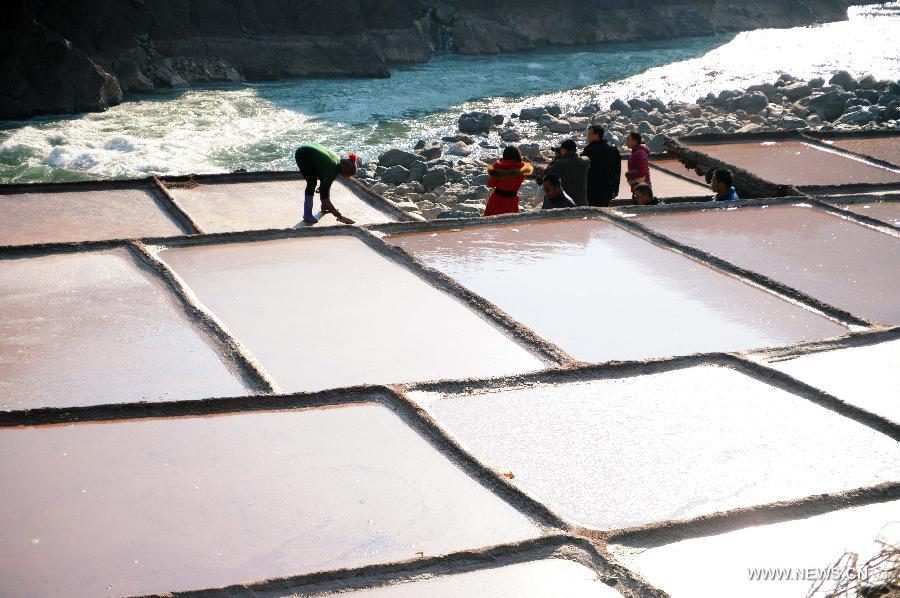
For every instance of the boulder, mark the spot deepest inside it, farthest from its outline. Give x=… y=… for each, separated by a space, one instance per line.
x=556 y=125
x=532 y=113
x=530 y=150
x=476 y=122
x=417 y=171
x=845 y=80
x=579 y=123
x=859 y=117
x=867 y=82
x=829 y=105
x=434 y=179
x=646 y=128
x=767 y=89
x=620 y=106
x=795 y=91
x=457 y=138
x=656 y=143
x=395 y=175
x=792 y=122
x=892 y=111
x=707 y=131
x=430 y=150
x=638 y=104
x=396 y=157
x=751 y=103
x=553 y=109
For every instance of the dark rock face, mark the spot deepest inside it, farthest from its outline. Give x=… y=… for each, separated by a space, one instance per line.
x=60 y=56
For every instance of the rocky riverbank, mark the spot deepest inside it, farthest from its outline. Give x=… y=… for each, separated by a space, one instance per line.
x=447 y=176
x=65 y=57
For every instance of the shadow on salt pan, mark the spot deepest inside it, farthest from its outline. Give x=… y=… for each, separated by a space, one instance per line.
x=625 y=452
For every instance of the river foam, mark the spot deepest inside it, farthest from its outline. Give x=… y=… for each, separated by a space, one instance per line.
x=256 y=127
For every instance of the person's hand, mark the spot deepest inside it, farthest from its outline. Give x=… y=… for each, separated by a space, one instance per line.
x=345 y=220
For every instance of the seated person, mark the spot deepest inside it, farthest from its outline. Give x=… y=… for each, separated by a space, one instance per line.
x=723 y=185
x=554 y=196
x=643 y=196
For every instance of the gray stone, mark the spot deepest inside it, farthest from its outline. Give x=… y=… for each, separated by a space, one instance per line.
x=867 y=82
x=530 y=149
x=430 y=150
x=476 y=122
x=459 y=149
x=395 y=175
x=795 y=91
x=620 y=106
x=845 y=80
x=456 y=138
x=657 y=143
x=859 y=117
x=396 y=157
x=706 y=131
x=638 y=104
x=578 y=123
x=417 y=171
x=749 y=102
x=767 y=89
x=434 y=179
x=791 y=122
x=532 y=113
x=557 y=125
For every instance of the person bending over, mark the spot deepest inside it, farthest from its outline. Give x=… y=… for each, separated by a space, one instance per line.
x=723 y=186
x=554 y=196
x=638 y=162
x=605 y=171
x=643 y=196
x=321 y=166
x=506 y=176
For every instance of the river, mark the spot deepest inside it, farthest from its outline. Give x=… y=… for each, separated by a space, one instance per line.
x=257 y=126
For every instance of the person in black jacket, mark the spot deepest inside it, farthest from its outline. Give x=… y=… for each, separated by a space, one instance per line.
x=605 y=171
x=572 y=170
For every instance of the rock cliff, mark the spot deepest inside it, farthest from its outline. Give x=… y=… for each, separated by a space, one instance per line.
x=62 y=57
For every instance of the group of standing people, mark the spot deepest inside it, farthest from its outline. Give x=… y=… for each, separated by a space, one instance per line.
x=591 y=178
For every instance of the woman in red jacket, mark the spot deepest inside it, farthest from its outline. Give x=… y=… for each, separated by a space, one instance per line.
x=506 y=176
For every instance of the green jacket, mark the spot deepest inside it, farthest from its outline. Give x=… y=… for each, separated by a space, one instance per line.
x=326 y=163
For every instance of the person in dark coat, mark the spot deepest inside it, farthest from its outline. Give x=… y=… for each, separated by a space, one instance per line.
x=572 y=170
x=605 y=171
x=554 y=196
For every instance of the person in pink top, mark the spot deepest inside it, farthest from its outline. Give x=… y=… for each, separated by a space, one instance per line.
x=638 y=162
